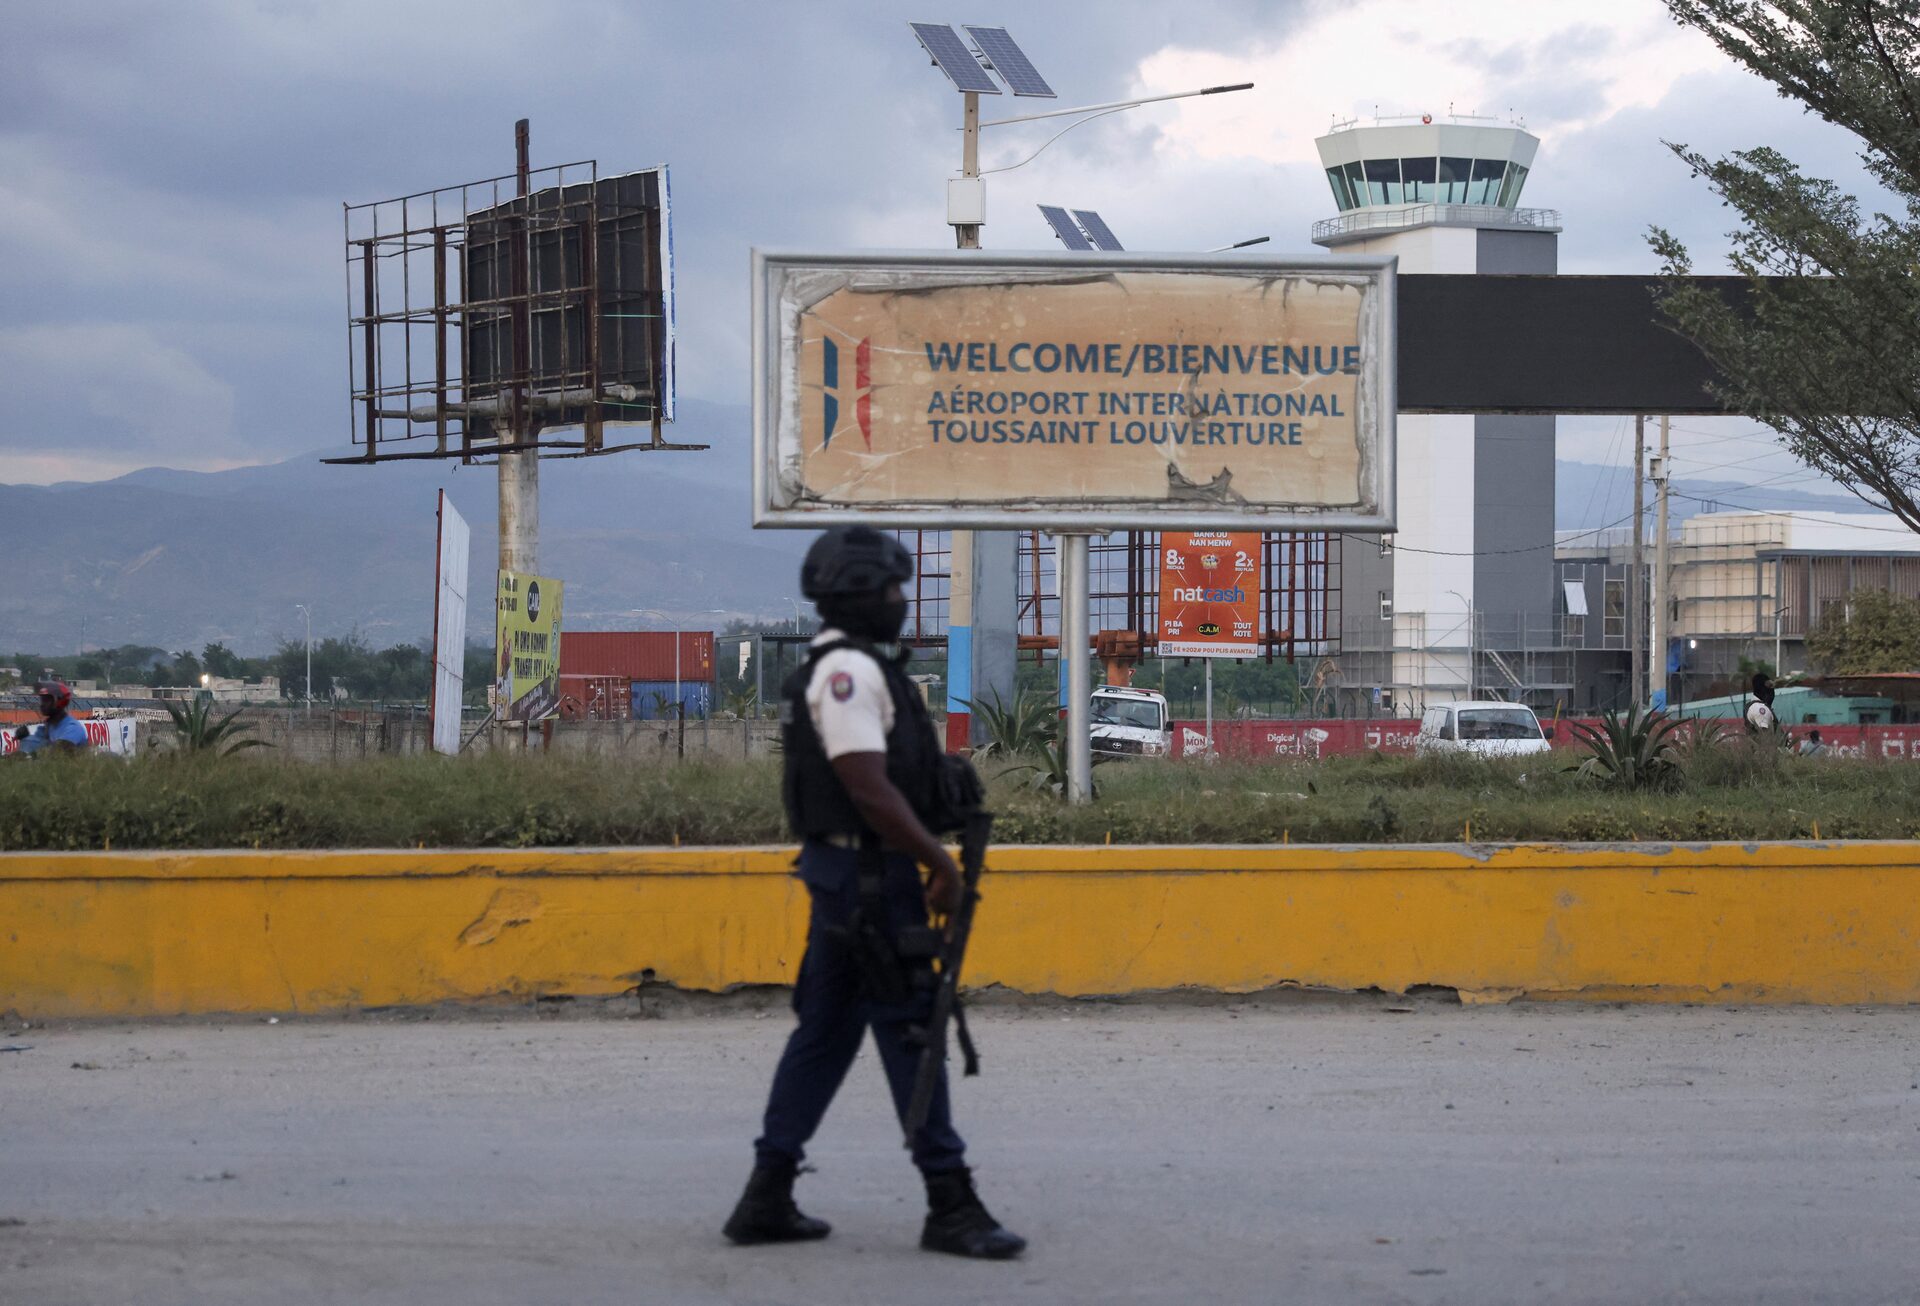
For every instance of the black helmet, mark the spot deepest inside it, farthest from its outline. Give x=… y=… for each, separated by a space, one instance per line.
x=852 y=560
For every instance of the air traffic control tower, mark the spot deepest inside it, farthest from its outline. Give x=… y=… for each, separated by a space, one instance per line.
x=1460 y=602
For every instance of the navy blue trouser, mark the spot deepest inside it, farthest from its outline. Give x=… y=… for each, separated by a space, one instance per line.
x=835 y=1016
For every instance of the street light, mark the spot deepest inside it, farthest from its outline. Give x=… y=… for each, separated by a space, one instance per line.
x=307 y=612
x=1465 y=603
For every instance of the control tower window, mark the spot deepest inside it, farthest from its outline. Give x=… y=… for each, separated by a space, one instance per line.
x=1485 y=188
x=1342 y=196
x=1383 y=181
x=1356 y=184
x=1454 y=176
x=1510 y=191
x=1416 y=177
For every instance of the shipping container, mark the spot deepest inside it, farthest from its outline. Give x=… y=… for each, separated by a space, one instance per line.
x=595 y=698
x=650 y=697
x=636 y=654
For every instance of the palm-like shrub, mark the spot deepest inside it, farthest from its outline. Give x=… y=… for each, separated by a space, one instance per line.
x=1637 y=751
x=1027 y=727
x=197 y=730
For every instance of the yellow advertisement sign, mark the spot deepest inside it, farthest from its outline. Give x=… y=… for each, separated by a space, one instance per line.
x=527 y=646
x=1115 y=391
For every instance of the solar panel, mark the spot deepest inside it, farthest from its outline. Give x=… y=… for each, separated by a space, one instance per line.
x=1063 y=227
x=1010 y=61
x=1103 y=237
x=955 y=60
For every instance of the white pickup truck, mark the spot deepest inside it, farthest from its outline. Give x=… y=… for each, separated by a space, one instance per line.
x=1130 y=722
x=1482 y=729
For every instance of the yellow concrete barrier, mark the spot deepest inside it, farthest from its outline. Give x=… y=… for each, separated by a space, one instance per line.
x=134 y=934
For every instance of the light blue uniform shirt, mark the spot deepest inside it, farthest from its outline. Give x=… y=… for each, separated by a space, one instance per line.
x=64 y=731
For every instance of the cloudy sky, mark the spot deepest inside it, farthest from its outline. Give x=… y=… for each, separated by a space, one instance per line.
x=171 y=176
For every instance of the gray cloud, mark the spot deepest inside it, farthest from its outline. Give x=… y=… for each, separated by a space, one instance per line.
x=171 y=176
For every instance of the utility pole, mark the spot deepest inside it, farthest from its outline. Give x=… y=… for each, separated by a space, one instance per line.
x=520 y=469
x=1636 y=655
x=1662 y=578
x=961 y=681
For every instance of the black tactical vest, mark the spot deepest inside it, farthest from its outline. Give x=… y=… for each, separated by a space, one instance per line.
x=817 y=803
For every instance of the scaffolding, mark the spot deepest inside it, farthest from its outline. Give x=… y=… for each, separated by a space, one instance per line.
x=1299 y=590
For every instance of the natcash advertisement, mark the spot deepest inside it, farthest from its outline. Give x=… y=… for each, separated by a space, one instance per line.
x=1209 y=594
x=527 y=647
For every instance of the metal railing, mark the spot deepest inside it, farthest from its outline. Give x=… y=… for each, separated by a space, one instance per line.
x=1360 y=221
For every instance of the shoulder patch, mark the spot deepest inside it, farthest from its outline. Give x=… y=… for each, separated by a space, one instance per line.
x=841 y=686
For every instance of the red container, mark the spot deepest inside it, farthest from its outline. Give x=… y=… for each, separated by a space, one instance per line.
x=595 y=698
x=632 y=655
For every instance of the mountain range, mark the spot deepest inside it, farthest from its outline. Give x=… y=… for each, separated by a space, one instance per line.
x=181 y=559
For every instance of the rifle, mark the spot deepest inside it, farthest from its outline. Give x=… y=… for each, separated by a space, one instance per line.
x=947 y=1009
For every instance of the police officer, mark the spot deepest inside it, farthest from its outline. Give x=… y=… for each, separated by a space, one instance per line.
x=60 y=732
x=860 y=752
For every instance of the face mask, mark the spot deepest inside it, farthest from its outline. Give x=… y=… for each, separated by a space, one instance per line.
x=868 y=617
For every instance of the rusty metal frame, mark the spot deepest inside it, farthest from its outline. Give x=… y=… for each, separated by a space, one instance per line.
x=409 y=403
x=1299 y=585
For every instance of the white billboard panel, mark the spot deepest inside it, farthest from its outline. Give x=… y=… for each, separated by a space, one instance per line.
x=1073 y=391
x=449 y=628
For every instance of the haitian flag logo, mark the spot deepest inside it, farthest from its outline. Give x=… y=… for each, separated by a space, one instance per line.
x=862 y=388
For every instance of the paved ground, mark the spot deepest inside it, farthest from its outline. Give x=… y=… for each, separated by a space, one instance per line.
x=1309 y=1153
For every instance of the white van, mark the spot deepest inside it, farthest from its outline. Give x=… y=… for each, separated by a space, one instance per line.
x=1483 y=729
x=1130 y=722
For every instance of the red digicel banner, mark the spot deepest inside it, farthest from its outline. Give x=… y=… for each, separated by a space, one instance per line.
x=1209 y=594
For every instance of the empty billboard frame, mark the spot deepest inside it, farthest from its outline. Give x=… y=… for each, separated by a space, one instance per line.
x=1073 y=392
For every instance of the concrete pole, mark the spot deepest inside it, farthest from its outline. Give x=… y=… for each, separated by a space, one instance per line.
x=1636 y=656
x=520 y=472
x=1662 y=576
x=1075 y=612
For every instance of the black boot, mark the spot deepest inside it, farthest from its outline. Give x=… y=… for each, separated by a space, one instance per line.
x=766 y=1213
x=958 y=1224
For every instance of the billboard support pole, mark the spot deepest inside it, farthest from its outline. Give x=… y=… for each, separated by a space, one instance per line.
x=1209 y=662
x=1075 y=605
x=519 y=471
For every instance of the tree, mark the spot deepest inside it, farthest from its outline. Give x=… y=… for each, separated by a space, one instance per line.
x=219 y=660
x=1872 y=633
x=1830 y=359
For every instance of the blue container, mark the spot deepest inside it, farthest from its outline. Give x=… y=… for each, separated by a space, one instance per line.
x=653 y=699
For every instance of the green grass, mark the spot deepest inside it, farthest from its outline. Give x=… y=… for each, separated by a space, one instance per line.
x=177 y=801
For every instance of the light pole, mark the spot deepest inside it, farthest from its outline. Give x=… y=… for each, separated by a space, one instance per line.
x=307 y=612
x=1465 y=603
x=1778 y=670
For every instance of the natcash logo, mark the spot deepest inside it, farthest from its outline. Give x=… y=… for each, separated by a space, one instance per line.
x=862 y=389
x=1204 y=594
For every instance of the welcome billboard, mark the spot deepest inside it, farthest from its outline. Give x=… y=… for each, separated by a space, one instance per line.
x=1073 y=392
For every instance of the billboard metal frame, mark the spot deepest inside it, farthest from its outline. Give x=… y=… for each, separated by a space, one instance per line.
x=564 y=276
x=772 y=270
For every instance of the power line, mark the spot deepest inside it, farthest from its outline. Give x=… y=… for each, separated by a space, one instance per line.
x=1491 y=553
x=1781 y=512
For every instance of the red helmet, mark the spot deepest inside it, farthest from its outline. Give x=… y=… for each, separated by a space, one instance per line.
x=52 y=689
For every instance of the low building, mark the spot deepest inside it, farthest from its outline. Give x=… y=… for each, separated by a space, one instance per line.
x=1747 y=589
